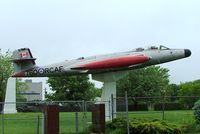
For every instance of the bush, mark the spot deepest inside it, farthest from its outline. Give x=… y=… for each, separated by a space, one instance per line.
x=116 y=123
x=132 y=107
x=143 y=127
x=191 y=128
x=116 y=131
x=168 y=106
x=27 y=108
x=138 y=107
x=196 y=109
x=70 y=107
x=1 y=107
x=153 y=127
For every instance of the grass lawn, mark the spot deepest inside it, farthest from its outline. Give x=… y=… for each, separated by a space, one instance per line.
x=26 y=123
x=179 y=118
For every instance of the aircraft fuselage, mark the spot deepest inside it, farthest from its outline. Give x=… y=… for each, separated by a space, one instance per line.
x=107 y=63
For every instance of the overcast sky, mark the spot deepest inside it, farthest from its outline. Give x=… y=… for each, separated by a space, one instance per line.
x=56 y=30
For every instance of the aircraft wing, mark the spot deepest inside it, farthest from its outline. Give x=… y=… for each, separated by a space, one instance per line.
x=115 y=62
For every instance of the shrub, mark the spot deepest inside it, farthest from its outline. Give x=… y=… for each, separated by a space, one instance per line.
x=191 y=128
x=116 y=123
x=196 y=109
x=143 y=127
x=1 y=107
x=116 y=131
x=132 y=107
x=168 y=106
x=153 y=127
x=138 y=107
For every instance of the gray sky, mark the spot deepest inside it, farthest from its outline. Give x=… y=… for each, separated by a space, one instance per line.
x=56 y=30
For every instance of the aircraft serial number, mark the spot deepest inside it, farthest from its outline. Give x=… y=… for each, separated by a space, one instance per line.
x=40 y=71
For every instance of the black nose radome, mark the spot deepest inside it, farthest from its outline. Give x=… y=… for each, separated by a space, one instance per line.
x=187 y=52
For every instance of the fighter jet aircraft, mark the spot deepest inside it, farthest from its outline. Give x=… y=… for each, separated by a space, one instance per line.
x=25 y=66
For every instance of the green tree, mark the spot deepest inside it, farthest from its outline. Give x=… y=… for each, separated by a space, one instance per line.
x=189 y=89
x=20 y=87
x=71 y=88
x=6 y=70
x=173 y=90
x=150 y=81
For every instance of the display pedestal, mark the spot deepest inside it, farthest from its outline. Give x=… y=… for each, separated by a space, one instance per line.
x=109 y=88
x=10 y=98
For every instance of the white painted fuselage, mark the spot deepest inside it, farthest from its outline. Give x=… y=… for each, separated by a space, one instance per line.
x=137 y=58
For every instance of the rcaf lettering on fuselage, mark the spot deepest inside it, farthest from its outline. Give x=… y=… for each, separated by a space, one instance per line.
x=40 y=71
x=53 y=69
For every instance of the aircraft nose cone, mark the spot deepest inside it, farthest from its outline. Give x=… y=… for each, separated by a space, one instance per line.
x=187 y=52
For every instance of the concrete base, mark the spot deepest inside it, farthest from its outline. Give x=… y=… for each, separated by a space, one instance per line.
x=10 y=99
x=109 y=88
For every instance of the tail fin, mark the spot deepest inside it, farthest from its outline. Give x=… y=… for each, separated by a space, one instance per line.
x=23 y=60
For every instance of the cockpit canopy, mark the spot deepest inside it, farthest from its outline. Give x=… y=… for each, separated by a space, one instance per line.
x=161 y=47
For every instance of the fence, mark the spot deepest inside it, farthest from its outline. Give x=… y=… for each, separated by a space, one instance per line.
x=75 y=116
x=157 y=104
